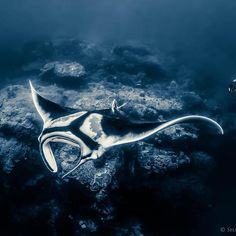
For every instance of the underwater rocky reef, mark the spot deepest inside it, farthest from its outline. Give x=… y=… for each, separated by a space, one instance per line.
x=152 y=187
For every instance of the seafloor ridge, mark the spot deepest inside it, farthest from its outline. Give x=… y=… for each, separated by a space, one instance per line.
x=132 y=190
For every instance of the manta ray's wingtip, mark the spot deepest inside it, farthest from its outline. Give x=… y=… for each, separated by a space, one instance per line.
x=221 y=131
x=204 y=118
x=31 y=85
x=39 y=101
x=34 y=94
x=33 y=90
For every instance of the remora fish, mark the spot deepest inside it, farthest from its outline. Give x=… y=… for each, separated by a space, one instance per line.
x=93 y=131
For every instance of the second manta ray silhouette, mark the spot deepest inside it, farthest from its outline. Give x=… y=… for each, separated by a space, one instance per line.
x=93 y=131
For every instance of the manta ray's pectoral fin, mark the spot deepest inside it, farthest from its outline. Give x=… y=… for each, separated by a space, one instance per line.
x=48 y=110
x=141 y=132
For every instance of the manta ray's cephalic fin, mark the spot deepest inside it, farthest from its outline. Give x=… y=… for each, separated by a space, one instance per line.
x=114 y=106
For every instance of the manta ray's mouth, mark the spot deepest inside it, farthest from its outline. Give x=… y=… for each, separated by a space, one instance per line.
x=47 y=152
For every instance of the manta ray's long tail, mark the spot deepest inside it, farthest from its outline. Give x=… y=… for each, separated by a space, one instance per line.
x=185 y=119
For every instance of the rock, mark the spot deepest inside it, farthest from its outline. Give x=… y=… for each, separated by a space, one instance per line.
x=18 y=118
x=133 y=59
x=180 y=133
x=93 y=175
x=63 y=70
x=134 y=229
x=96 y=175
x=88 y=225
x=202 y=160
x=31 y=212
x=130 y=64
x=141 y=104
x=160 y=161
x=134 y=65
x=89 y=54
x=135 y=181
x=105 y=210
x=12 y=151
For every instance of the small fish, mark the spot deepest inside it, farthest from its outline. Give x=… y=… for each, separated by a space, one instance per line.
x=94 y=132
x=232 y=86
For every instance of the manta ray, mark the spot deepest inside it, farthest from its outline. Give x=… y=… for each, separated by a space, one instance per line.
x=94 y=132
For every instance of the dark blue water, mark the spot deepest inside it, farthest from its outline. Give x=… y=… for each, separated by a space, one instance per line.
x=138 y=44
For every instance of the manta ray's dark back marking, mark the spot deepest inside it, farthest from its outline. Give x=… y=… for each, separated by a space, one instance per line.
x=75 y=128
